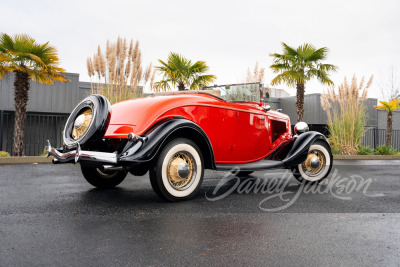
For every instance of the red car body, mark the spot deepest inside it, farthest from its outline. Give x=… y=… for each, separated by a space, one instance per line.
x=175 y=136
x=239 y=132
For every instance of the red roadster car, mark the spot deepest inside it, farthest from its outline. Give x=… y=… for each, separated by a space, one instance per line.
x=175 y=136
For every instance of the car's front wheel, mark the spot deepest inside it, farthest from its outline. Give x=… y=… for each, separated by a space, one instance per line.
x=103 y=180
x=178 y=172
x=317 y=165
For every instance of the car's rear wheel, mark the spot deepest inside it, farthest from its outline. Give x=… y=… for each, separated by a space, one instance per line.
x=103 y=180
x=178 y=172
x=317 y=165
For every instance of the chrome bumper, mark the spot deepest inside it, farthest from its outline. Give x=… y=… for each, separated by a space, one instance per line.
x=80 y=155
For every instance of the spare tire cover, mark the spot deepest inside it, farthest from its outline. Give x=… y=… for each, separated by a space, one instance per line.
x=101 y=110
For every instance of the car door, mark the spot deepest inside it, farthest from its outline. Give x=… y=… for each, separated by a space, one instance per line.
x=251 y=139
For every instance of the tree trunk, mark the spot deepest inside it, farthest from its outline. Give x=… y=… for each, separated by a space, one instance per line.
x=300 y=101
x=181 y=86
x=388 y=140
x=21 y=88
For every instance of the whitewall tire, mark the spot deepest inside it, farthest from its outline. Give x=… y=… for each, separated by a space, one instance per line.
x=317 y=165
x=178 y=172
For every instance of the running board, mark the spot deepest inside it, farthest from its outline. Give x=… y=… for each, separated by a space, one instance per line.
x=252 y=166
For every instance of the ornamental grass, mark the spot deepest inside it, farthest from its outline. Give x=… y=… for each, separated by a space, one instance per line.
x=346 y=114
x=118 y=73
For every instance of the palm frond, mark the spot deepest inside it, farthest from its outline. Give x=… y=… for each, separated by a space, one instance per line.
x=202 y=81
x=288 y=50
x=391 y=106
x=179 y=70
x=319 y=54
x=300 y=65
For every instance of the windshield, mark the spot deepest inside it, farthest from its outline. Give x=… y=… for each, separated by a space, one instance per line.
x=246 y=92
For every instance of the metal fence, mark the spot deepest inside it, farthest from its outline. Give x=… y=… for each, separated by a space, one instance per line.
x=39 y=127
x=373 y=136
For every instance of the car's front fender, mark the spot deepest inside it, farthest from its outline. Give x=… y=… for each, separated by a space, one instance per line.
x=299 y=151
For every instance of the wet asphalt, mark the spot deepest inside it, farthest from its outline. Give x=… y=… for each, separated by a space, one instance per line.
x=50 y=216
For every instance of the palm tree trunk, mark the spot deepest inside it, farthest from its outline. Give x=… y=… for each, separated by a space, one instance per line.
x=181 y=86
x=21 y=88
x=388 y=141
x=300 y=101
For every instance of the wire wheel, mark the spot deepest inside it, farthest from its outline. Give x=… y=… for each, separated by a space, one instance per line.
x=318 y=164
x=181 y=170
x=314 y=164
x=82 y=123
x=178 y=172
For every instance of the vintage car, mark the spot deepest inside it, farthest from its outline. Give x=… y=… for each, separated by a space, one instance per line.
x=175 y=136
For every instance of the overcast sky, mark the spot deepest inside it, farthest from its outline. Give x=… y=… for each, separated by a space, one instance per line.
x=363 y=36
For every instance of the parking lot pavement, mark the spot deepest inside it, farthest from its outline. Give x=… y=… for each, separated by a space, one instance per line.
x=49 y=215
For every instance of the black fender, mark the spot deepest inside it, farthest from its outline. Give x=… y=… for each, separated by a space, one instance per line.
x=145 y=149
x=299 y=151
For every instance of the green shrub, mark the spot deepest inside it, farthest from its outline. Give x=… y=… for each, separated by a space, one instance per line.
x=336 y=151
x=385 y=150
x=4 y=154
x=365 y=150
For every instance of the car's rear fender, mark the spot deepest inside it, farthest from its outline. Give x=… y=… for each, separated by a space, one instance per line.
x=159 y=135
x=301 y=144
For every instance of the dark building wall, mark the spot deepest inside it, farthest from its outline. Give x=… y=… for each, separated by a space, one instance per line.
x=313 y=112
x=61 y=97
x=382 y=119
x=47 y=111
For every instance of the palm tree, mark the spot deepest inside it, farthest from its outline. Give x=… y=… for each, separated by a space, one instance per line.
x=22 y=55
x=297 y=66
x=389 y=107
x=183 y=73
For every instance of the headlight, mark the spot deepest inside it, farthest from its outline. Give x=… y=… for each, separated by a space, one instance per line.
x=301 y=127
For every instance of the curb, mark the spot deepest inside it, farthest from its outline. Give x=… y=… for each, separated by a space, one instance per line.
x=366 y=157
x=25 y=160
x=44 y=160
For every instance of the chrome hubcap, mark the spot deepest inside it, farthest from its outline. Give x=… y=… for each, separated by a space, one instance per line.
x=315 y=161
x=79 y=121
x=314 y=164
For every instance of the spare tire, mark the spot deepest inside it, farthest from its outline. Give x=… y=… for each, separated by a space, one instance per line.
x=87 y=123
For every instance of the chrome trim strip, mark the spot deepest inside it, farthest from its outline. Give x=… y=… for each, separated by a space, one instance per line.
x=81 y=155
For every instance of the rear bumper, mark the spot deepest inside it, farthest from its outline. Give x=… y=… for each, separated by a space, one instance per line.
x=76 y=155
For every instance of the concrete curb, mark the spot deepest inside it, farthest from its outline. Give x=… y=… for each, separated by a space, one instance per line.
x=25 y=160
x=366 y=157
x=44 y=160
